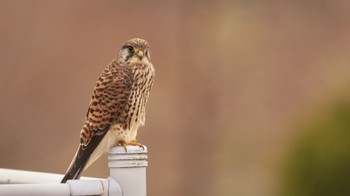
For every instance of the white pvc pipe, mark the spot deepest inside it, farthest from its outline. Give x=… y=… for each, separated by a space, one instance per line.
x=34 y=189
x=107 y=187
x=129 y=169
x=13 y=176
x=127 y=178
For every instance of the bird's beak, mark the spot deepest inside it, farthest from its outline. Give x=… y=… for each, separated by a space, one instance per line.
x=140 y=54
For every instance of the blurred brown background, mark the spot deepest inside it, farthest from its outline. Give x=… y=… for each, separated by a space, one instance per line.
x=234 y=81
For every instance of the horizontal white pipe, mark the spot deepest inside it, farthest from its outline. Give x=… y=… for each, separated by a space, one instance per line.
x=73 y=187
x=13 y=176
x=34 y=189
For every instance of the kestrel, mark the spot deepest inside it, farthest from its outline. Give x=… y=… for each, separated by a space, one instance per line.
x=117 y=106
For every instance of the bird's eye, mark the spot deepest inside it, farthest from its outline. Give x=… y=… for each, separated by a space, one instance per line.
x=130 y=49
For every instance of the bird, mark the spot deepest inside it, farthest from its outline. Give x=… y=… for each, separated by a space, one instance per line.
x=117 y=106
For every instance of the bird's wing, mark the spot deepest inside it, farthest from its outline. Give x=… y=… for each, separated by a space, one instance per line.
x=107 y=104
x=109 y=99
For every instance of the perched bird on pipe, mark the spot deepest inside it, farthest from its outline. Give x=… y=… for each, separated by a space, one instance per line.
x=117 y=106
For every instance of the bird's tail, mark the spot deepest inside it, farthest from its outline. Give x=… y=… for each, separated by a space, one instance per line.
x=81 y=158
x=74 y=170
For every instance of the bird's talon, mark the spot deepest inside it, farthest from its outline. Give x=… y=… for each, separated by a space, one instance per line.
x=123 y=144
x=135 y=143
x=131 y=143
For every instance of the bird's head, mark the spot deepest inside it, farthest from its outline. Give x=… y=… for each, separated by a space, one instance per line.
x=135 y=50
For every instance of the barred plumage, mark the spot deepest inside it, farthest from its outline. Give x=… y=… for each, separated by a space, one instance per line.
x=117 y=106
